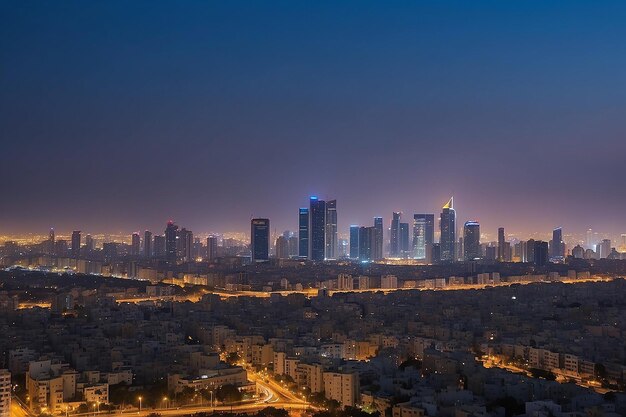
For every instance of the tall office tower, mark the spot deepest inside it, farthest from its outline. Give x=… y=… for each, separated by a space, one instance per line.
x=423 y=236
x=394 y=235
x=303 y=233
x=541 y=253
x=282 y=247
x=135 y=244
x=5 y=393
x=367 y=238
x=184 y=245
x=590 y=242
x=603 y=249
x=377 y=248
x=331 y=229
x=260 y=240
x=211 y=248
x=75 y=243
x=557 y=247
x=147 y=244
x=171 y=230
x=447 y=224
x=89 y=243
x=404 y=240
x=317 y=229
x=292 y=243
x=354 y=241
x=471 y=241
x=578 y=252
x=51 y=242
x=159 y=246
x=501 y=242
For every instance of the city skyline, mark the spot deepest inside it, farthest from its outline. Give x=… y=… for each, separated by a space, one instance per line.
x=386 y=116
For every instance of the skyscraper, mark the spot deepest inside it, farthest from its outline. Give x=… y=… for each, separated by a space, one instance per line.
x=423 y=236
x=135 y=244
x=603 y=249
x=354 y=241
x=303 y=233
x=377 y=248
x=394 y=235
x=170 y=241
x=331 y=229
x=260 y=240
x=211 y=248
x=557 y=247
x=447 y=224
x=471 y=240
x=404 y=239
x=75 y=243
x=282 y=247
x=185 y=245
x=590 y=242
x=501 y=245
x=317 y=229
x=147 y=244
x=51 y=242
x=367 y=238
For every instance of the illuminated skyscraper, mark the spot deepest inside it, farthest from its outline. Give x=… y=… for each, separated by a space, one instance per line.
x=260 y=240
x=147 y=244
x=90 y=245
x=159 y=246
x=471 y=241
x=135 y=244
x=170 y=241
x=184 y=245
x=423 y=236
x=317 y=229
x=377 y=248
x=75 y=243
x=447 y=224
x=331 y=229
x=51 y=242
x=303 y=233
x=354 y=241
x=590 y=242
x=394 y=235
x=603 y=249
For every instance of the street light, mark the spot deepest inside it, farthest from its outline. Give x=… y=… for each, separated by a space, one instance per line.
x=140 y=404
x=165 y=401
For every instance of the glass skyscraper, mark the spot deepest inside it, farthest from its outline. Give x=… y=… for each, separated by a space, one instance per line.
x=317 y=229
x=260 y=240
x=303 y=233
x=447 y=240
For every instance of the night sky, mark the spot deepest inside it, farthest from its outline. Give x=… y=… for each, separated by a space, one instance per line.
x=120 y=115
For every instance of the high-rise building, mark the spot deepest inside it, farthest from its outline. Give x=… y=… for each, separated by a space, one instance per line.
x=159 y=246
x=211 y=248
x=394 y=235
x=404 y=240
x=557 y=247
x=537 y=252
x=590 y=241
x=282 y=247
x=622 y=245
x=147 y=244
x=260 y=240
x=51 y=242
x=5 y=393
x=367 y=238
x=377 y=248
x=603 y=249
x=471 y=241
x=501 y=244
x=76 y=243
x=292 y=243
x=90 y=245
x=423 y=236
x=184 y=245
x=331 y=229
x=317 y=229
x=447 y=225
x=135 y=244
x=303 y=233
x=354 y=241
x=171 y=232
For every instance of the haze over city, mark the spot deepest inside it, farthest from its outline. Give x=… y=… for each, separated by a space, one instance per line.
x=119 y=116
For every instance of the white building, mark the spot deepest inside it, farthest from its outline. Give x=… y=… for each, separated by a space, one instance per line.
x=343 y=388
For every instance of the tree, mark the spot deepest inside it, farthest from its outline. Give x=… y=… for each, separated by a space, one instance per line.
x=228 y=394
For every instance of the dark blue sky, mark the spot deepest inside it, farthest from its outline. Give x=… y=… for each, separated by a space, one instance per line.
x=118 y=115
